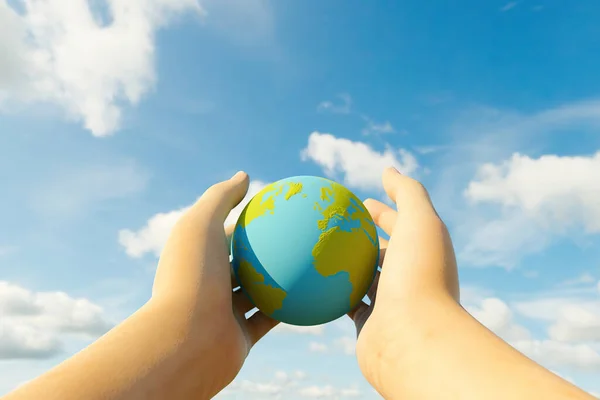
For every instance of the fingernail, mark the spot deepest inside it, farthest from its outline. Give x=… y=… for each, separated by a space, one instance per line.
x=238 y=175
x=394 y=169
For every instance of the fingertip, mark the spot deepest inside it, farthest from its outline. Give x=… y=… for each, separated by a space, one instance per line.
x=239 y=176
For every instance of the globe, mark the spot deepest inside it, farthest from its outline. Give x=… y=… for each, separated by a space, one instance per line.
x=305 y=250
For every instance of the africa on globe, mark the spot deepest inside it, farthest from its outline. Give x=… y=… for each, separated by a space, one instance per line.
x=305 y=250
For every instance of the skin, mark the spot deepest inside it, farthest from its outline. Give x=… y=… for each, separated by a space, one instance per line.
x=191 y=338
x=415 y=331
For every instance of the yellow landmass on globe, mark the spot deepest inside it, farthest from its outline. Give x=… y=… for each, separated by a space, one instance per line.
x=264 y=201
x=266 y=297
x=294 y=189
x=330 y=257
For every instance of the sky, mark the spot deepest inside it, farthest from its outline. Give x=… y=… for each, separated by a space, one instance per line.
x=115 y=115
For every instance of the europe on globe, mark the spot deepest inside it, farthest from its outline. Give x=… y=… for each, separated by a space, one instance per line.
x=305 y=250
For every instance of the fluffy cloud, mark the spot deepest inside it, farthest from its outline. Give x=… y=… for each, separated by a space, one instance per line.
x=88 y=60
x=497 y=316
x=571 y=319
x=32 y=322
x=551 y=353
x=317 y=347
x=359 y=164
x=347 y=344
x=579 y=352
x=537 y=200
x=152 y=237
x=550 y=189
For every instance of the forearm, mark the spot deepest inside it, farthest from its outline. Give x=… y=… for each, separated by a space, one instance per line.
x=145 y=357
x=451 y=355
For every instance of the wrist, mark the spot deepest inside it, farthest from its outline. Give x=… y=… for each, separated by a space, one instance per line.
x=402 y=339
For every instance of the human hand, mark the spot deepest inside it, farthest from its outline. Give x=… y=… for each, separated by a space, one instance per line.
x=194 y=276
x=189 y=340
x=418 y=272
x=415 y=340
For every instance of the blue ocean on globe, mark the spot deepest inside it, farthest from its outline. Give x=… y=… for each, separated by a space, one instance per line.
x=305 y=250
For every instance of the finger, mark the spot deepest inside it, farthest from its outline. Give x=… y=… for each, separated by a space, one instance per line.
x=383 y=215
x=220 y=199
x=383 y=244
x=420 y=256
x=410 y=195
x=258 y=325
x=241 y=302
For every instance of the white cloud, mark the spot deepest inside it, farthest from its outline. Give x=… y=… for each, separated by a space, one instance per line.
x=317 y=391
x=509 y=6
x=375 y=128
x=329 y=391
x=563 y=190
x=32 y=322
x=314 y=330
x=358 y=163
x=352 y=391
x=571 y=319
x=18 y=341
x=551 y=353
x=88 y=63
x=537 y=201
x=584 y=279
x=73 y=191
x=497 y=316
x=343 y=107
x=317 y=347
x=488 y=136
x=347 y=344
x=152 y=237
x=263 y=388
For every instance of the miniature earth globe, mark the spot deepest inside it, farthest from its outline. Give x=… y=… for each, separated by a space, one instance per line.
x=305 y=250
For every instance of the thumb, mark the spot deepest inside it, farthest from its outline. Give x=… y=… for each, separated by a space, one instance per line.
x=410 y=195
x=420 y=257
x=221 y=198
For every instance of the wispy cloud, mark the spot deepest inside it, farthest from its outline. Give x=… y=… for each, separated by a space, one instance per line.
x=373 y=127
x=342 y=106
x=509 y=6
x=519 y=204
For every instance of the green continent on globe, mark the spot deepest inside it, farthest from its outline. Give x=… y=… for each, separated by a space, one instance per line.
x=330 y=257
x=268 y=297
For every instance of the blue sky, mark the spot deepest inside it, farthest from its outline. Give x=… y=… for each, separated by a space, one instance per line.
x=113 y=120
